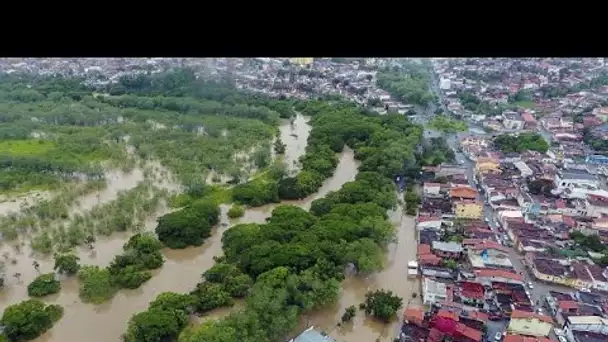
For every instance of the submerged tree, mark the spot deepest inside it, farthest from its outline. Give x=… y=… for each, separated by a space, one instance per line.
x=279 y=146
x=382 y=304
x=66 y=264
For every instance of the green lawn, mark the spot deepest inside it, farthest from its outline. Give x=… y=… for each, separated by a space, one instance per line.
x=525 y=104
x=26 y=147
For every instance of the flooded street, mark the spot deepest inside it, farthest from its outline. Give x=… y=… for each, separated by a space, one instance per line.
x=183 y=268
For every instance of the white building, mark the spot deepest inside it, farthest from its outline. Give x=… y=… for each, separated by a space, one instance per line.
x=433 y=291
x=445 y=84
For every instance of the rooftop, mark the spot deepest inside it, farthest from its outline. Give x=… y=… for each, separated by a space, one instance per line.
x=311 y=335
x=452 y=247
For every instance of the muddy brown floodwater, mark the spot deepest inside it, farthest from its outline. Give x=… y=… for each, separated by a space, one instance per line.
x=183 y=268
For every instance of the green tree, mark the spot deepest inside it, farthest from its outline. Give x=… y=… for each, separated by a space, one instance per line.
x=189 y=226
x=29 y=319
x=156 y=325
x=44 y=285
x=173 y=301
x=66 y=264
x=236 y=211
x=382 y=304
x=349 y=314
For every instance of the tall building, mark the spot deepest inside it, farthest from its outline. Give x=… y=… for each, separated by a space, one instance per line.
x=303 y=61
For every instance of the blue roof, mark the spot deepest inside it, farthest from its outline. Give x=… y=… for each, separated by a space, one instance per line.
x=313 y=336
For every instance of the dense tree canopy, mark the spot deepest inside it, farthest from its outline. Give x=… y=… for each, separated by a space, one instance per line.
x=409 y=84
x=521 y=142
x=382 y=304
x=189 y=226
x=43 y=285
x=29 y=319
x=66 y=264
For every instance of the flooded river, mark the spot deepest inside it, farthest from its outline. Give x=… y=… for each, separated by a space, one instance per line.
x=183 y=268
x=393 y=277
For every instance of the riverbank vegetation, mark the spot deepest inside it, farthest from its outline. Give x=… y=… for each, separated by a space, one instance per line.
x=521 y=142
x=29 y=319
x=446 y=124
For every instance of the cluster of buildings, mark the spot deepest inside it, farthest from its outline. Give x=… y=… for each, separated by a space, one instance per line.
x=100 y=70
x=353 y=79
x=560 y=96
x=511 y=248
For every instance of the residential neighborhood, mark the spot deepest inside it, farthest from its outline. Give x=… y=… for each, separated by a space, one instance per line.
x=511 y=239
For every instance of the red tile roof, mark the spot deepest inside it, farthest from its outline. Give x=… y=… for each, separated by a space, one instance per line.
x=471 y=290
x=497 y=273
x=530 y=315
x=490 y=245
x=429 y=259
x=428 y=218
x=471 y=333
x=424 y=249
x=521 y=338
x=568 y=304
x=463 y=192
x=414 y=315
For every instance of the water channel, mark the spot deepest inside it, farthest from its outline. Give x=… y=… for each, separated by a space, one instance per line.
x=183 y=268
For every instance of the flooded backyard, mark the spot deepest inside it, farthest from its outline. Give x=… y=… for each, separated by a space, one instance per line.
x=183 y=268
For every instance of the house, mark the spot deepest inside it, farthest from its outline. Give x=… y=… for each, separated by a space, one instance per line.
x=463 y=192
x=491 y=275
x=433 y=291
x=311 y=335
x=487 y=165
x=529 y=324
x=470 y=293
x=414 y=315
x=489 y=255
x=529 y=121
x=431 y=189
x=428 y=222
x=513 y=121
x=468 y=209
x=524 y=169
x=601 y=113
x=597 y=205
x=447 y=249
x=571 y=179
x=522 y=338
x=577 y=325
x=426 y=257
